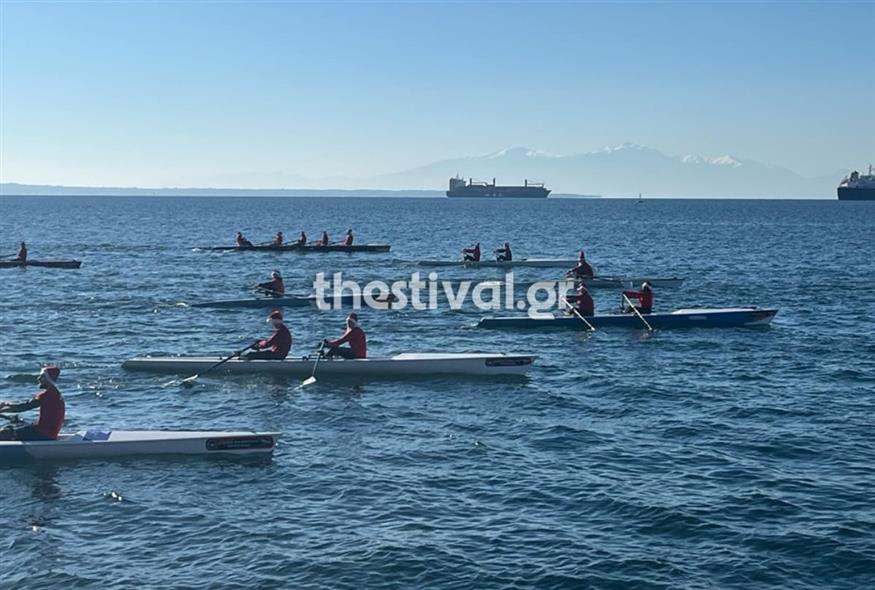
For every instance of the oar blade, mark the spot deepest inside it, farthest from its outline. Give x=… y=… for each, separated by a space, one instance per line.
x=189 y=381
x=308 y=381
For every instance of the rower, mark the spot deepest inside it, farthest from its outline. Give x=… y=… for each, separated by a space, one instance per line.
x=582 y=271
x=278 y=240
x=302 y=240
x=51 y=410
x=583 y=302
x=324 y=241
x=504 y=254
x=242 y=242
x=276 y=347
x=22 y=253
x=275 y=286
x=471 y=254
x=354 y=335
x=347 y=241
x=644 y=297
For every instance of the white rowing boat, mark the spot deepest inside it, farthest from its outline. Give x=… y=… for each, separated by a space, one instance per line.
x=400 y=365
x=532 y=262
x=122 y=443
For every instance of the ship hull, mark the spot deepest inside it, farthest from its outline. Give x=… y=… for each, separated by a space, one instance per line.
x=500 y=192
x=846 y=193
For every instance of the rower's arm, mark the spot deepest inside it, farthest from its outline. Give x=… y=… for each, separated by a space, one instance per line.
x=16 y=408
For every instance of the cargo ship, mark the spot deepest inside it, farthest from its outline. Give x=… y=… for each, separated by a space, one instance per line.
x=856 y=187
x=472 y=188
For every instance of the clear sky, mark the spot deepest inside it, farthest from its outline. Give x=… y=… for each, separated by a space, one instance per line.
x=195 y=93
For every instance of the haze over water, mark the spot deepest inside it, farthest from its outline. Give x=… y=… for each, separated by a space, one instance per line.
x=685 y=459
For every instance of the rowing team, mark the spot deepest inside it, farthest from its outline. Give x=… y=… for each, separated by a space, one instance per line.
x=472 y=254
x=352 y=344
x=585 y=306
x=278 y=240
x=22 y=253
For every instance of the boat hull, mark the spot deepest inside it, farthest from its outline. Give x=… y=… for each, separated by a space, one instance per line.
x=126 y=443
x=684 y=318
x=545 y=263
x=847 y=193
x=402 y=365
x=303 y=249
x=71 y=264
x=293 y=301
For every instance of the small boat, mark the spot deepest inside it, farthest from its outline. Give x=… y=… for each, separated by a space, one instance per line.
x=736 y=317
x=42 y=263
x=289 y=301
x=399 y=365
x=299 y=248
x=593 y=283
x=531 y=262
x=96 y=444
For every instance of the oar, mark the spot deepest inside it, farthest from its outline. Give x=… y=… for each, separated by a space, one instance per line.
x=189 y=381
x=312 y=378
x=14 y=419
x=577 y=313
x=270 y=292
x=638 y=313
x=8 y=255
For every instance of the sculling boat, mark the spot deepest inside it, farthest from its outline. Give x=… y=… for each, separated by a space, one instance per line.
x=289 y=301
x=123 y=443
x=400 y=365
x=308 y=248
x=42 y=263
x=682 y=318
x=593 y=283
x=531 y=262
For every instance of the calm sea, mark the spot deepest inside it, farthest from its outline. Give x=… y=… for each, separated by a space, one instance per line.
x=687 y=459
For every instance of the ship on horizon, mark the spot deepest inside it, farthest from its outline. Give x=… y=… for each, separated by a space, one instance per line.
x=856 y=187
x=472 y=188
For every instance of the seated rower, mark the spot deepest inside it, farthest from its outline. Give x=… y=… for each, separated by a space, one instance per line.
x=471 y=254
x=347 y=241
x=51 y=410
x=278 y=240
x=276 y=347
x=504 y=254
x=583 y=302
x=242 y=242
x=302 y=240
x=355 y=336
x=275 y=286
x=582 y=271
x=644 y=297
x=324 y=241
x=22 y=253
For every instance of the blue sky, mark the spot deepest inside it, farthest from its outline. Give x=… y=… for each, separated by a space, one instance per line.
x=195 y=93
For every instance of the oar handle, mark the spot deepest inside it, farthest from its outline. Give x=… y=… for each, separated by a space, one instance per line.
x=14 y=419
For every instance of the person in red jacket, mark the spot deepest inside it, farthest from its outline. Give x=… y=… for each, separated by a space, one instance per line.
x=644 y=297
x=324 y=241
x=275 y=286
x=471 y=254
x=582 y=271
x=22 y=253
x=241 y=241
x=504 y=254
x=347 y=241
x=583 y=302
x=355 y=336
x=51 y=410
x=302 y=240
x=276 y=347
x=278 y=240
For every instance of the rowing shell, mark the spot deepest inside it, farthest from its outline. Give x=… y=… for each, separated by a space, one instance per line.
x=290 y=301
x=600 y=282
x=400 y=365
x=681 y=318
x=298 y=248
x=122 y=443
x=41 y=263
x=531 y=262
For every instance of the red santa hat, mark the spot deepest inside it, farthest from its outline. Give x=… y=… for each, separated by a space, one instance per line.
x=51 y=374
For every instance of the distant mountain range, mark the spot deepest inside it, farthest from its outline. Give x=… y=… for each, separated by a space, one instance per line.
x=624 y=170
